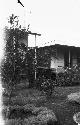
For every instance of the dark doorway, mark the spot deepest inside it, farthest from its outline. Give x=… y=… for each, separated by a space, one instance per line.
x=66 y=57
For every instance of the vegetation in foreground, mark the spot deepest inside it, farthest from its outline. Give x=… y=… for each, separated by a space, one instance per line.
x=30 y=98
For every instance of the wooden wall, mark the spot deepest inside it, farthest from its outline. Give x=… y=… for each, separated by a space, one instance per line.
x=58 y=61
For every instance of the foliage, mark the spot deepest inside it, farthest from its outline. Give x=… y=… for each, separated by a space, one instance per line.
x=14 y=63
x=29 y=115
x=25 y=98
x=66 y=78
x=69 y=76
x=15 y=58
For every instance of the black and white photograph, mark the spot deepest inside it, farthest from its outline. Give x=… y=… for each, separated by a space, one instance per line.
x=40 y=62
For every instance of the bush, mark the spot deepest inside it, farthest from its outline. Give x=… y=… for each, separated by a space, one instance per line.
x=14 y=122
x=37 y=116
x=69 y=76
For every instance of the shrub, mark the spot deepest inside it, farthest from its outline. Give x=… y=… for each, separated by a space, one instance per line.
x=39 y=116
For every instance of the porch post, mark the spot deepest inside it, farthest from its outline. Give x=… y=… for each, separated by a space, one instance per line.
x=69 y=58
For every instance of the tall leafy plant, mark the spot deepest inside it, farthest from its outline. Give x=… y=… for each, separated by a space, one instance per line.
x=15 y=58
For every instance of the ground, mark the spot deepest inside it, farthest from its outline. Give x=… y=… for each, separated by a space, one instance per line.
x=63 y=109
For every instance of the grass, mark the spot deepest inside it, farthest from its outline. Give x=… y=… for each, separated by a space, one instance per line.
x=63 y=109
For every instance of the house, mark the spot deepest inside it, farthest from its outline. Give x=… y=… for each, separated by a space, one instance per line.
x=50 y=60
x=55 y=57
x=58 y=57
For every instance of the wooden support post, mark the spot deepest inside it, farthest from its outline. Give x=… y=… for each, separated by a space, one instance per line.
x=69 y=58
x=35 y=34
x=35 y=58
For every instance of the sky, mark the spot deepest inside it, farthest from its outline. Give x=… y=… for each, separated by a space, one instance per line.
x=58 y=21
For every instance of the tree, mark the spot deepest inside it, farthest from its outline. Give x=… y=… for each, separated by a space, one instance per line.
x=15 y=55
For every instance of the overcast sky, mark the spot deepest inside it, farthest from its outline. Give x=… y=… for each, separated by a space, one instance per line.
x=57 y=20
